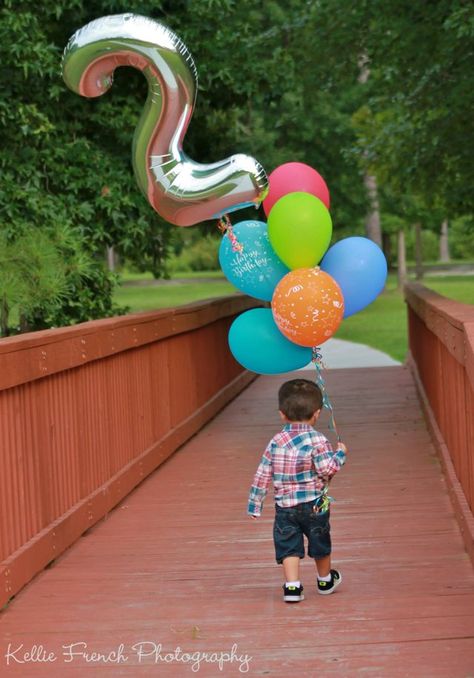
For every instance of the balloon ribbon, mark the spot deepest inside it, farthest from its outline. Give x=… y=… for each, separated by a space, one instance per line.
x=318 y=363
x=225 y=227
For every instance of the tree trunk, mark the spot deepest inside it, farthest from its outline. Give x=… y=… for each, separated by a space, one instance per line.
x=444 y=243
x=402 y=259
x=111 y=258
x=418 y=252
x=4 y=316
x=24 y=324
x=387 y=248
x=372 y=221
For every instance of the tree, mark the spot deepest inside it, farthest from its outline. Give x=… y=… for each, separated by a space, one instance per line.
x=422 y=83
x=272 y=84
x=66 y=160
x=40 y=272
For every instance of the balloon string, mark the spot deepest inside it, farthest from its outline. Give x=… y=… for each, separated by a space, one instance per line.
x=317 y=359
x=225 y=227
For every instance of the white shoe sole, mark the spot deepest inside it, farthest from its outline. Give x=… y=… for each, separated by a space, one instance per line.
x=293 y=599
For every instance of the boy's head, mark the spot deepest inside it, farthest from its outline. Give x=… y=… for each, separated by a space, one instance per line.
x=299 y=400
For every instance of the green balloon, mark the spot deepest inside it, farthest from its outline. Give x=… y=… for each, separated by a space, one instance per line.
x=300 y=229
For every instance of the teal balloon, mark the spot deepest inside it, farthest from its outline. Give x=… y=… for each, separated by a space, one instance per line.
x=256 y=270
x=258 y=345
x=359 y=267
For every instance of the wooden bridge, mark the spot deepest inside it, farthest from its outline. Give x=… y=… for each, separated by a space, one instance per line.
x=124 y=557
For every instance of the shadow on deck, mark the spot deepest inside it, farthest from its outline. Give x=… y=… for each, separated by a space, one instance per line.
x=179 y=565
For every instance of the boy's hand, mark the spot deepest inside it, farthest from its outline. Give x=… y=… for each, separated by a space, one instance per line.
x=341 y=446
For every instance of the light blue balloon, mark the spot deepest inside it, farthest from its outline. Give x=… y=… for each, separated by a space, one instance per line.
x=258 y=345
x=257 y=269
x=359 y=267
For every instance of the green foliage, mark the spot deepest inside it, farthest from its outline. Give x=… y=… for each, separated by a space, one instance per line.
x=461 y=238
x=66 y=159
x=201 y=255
x=277 y=80
x=429 y=245
x=417 y=127
x=64 y=169
x=48 y=278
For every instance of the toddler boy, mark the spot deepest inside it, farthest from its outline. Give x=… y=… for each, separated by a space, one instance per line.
x=300 y=461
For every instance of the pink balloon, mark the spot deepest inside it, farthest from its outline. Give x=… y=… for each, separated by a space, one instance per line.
x=292 y=177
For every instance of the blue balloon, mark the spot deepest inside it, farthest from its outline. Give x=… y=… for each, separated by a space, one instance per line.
x=257 y=269
x=258 y=345
x=359 y=267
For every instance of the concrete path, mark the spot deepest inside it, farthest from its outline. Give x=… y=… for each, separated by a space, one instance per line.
x=342 y=354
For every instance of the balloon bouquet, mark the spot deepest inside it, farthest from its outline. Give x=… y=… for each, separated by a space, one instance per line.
x=277 y=262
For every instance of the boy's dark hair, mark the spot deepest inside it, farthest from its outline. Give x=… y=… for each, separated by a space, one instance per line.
x=299 y=399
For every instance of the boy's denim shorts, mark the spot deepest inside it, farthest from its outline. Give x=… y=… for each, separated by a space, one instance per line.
x=292 y=523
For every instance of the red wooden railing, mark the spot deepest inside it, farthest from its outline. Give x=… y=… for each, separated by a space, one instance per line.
x=87 y=412
x=441 y=337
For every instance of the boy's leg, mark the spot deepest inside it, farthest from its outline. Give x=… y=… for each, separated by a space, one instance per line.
x=289 y=548
x=291 y=568
x=288 y=540
x=292 y=588
x=319 y=536
x=323 y=566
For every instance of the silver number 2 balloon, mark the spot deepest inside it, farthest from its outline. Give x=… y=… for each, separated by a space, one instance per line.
x=182 y=191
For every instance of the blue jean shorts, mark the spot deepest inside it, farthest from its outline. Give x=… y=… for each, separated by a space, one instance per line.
x=292 y=523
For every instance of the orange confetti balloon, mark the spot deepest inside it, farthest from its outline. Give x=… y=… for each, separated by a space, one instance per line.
x=308 y=306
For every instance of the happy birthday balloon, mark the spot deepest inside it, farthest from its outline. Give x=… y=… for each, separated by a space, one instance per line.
x=360 y=269
x=300 y=229
x=308 y=306
x=256 y=269
x=182 y=191
x=257 y=344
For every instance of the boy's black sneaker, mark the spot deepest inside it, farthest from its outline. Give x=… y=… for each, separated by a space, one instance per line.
x=327 y=587
x=292 y=594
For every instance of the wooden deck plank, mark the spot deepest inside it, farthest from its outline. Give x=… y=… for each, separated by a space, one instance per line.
x=178 y=563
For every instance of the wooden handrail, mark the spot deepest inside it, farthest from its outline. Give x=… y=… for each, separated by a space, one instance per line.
x=35 y=355
x=87 y=412
x=441 y=342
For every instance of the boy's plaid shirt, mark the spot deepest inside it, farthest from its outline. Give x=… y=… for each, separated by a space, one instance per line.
x=299 y=460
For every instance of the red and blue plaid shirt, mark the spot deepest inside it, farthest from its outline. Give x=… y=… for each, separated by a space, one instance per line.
x=300 y=461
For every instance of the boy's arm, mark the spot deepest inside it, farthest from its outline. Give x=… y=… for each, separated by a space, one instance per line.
x=326 y=461
x=260 y=484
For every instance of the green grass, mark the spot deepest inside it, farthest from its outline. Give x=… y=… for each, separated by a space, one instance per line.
x=150 y=297
x=198 y=274
x=381 y=325
x=442 y=264
x=458 y=287
x=129 y=276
